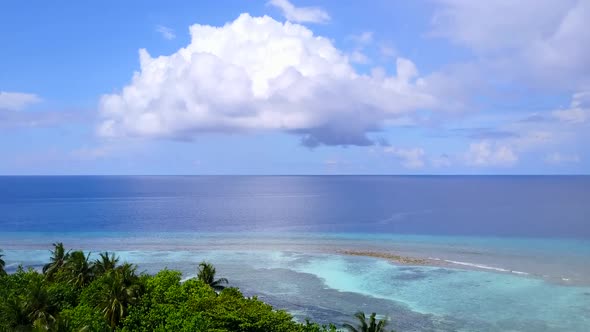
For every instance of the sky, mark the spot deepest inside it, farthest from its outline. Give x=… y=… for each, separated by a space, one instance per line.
x=295 y=87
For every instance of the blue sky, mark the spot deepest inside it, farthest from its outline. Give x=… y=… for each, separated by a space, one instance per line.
x=300 y=87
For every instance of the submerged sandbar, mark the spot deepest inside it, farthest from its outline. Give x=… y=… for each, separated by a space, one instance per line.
x=405 y=260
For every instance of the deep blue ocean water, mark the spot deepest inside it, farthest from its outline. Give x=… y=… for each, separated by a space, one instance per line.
x=452 y=205
x=514 y=251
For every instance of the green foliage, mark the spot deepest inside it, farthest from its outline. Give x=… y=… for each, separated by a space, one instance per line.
x=84 y=317
x=315 y=327
x=206 y=273
x=25 y=300
x=79 y=269
x=2 y=265
x=76 y=294
x=57 y=260
x=169 y=305
x=62 y=295
x=116 y=298
x=107 y=262
x=37 y=303
x=372 y=326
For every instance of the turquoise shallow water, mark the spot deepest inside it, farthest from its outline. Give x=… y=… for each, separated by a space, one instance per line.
x=557 y=260
x=497 y=299
x=306 y=275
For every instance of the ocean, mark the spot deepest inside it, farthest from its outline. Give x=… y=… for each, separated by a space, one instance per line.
x=509 y=253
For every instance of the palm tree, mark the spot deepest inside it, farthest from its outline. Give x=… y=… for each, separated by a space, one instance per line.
x=2 y=264
x=206 y=273
x=38 y=305
x=372 y=326
x=59 y=256
x=80 y=269
x=127 y=272
x=115 y=298
x=13 y=310
x=105 y=263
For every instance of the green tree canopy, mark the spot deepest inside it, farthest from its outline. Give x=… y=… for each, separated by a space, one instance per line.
x=206 y=273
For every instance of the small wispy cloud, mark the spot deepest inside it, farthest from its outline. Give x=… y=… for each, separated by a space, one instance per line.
x=300 y=14
x=387 y=50
x=16 y=101
x=166 y=32
x=363 y=38
x=412 y=158
x=579 y=110
x=557 y=158
x=443 y=160
x=91 y=153
x=360 y=41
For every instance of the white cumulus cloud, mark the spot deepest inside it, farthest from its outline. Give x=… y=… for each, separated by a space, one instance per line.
x=363 y=38
x=259 y=74
x=486 y=153
x=16 y=101
x=301 y=14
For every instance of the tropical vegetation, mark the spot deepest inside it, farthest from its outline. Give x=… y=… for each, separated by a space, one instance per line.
x=206 y=274
x=2 y=264
x=372 y=326
x=75 y=293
